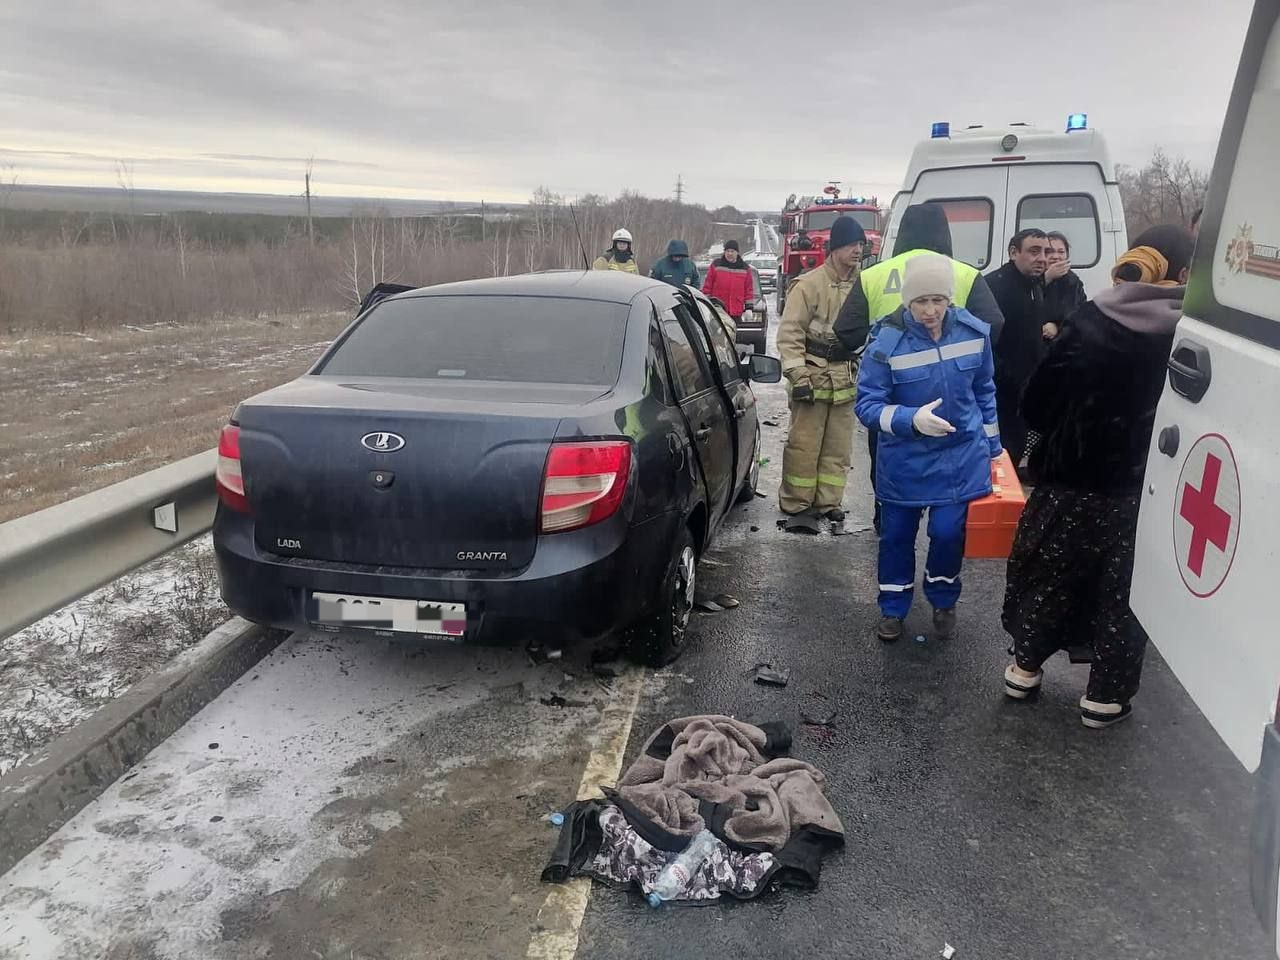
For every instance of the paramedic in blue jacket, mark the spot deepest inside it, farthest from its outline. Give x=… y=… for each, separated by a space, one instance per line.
x=926 y=385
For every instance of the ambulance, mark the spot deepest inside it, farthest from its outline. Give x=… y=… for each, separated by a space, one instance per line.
x=994 y=181
x=1206 y=582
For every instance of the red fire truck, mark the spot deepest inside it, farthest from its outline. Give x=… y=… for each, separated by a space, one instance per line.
x=806 y=226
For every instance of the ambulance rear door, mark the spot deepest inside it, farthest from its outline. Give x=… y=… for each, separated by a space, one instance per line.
x=1073 y=199
x=1206 y=583
x=974 y=201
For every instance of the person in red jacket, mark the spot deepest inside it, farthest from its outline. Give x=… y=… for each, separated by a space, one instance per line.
x=729 y=281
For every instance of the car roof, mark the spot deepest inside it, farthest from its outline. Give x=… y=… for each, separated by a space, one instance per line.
x=607 y=286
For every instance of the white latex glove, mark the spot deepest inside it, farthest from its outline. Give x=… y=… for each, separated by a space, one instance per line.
x=930 y=425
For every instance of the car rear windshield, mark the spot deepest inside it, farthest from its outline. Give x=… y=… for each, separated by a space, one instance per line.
x=518 y=339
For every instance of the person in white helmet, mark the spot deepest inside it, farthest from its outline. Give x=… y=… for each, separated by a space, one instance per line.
x=619 y=255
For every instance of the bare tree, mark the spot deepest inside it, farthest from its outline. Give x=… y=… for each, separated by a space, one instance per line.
x=180 y=238
x=311 y=233
x=351 y=271
x=1166 y=190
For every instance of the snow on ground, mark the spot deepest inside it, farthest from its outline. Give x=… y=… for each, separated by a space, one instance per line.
x=62 y=668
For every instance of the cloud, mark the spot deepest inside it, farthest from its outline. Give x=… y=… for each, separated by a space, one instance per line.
x=747 y=102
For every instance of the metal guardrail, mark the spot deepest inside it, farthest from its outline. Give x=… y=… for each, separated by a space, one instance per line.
x=51 y=558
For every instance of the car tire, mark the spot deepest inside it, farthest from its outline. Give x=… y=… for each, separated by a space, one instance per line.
x=752 y=483
x=660 y=638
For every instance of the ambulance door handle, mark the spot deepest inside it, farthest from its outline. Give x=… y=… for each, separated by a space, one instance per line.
x=1168 y=442
x=1189 y=370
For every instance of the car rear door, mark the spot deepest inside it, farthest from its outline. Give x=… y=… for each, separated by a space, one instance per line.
x=1209 y=531
x=703 y=405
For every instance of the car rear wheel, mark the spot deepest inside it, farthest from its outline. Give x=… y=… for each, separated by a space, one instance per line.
x=660 y=638
x=752 y=483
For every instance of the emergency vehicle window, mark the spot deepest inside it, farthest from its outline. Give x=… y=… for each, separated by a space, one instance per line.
x=690 y=374
x=824 y=219
x=1074 y=215
x=1246 y=262
x=971 y=220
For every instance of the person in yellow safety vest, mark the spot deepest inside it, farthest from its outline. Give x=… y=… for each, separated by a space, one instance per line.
x=878 y=292
x=820 y=375
x=619 y=255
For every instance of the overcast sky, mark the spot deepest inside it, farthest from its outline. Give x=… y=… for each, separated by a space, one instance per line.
x=748 y=100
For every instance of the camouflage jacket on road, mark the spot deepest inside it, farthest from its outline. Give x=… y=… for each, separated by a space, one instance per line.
x=625 y=857
x=813 y=303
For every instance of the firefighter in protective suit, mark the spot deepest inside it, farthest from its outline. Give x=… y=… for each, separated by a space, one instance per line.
x=821 y=376
x=619 y=256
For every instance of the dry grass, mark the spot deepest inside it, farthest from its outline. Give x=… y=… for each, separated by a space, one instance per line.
x=79 y=413
x=61 y=669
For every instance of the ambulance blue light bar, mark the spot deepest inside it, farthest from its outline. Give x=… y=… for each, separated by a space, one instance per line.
x=941 y=130
x=1077 y=121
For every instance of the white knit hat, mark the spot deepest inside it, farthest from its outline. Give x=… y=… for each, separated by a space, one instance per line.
x=928 y=275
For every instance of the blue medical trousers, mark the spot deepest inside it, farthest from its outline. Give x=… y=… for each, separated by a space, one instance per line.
x=898 y=526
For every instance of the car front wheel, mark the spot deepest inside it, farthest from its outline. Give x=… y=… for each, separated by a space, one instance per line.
x=660 y=638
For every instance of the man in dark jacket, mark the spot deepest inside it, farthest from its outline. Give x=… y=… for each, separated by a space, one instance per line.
x=878 y=292
x=1018 y=287
x=676 y=268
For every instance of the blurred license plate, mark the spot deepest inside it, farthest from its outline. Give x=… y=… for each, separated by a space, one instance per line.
x=387 y=613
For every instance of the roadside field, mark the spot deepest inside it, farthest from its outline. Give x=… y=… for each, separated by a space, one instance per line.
x=79 y=412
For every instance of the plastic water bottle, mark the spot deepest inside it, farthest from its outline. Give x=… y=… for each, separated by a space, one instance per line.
x=675 y=876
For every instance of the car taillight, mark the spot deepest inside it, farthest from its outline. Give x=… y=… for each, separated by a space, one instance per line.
x=584 y=483
x=228 y=478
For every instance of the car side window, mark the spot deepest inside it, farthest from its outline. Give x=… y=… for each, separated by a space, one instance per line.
x=656 y=365
x=687 y=367
x=726 y=354
x=699 y=338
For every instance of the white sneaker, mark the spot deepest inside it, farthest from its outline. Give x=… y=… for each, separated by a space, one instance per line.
x=1020 y=687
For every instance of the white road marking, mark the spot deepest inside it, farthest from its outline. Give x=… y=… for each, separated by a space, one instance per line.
x=560 y=918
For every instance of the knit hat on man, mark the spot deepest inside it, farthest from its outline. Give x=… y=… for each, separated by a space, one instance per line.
x=845 y=232
x=731 y=245
x=928 y=275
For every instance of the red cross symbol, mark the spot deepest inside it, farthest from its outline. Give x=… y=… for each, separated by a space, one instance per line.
x=1209 y=522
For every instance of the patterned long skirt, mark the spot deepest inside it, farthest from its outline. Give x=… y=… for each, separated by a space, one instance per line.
x=1068 y=580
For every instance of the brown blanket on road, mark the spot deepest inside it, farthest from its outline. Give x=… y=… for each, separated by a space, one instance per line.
x=724 y=774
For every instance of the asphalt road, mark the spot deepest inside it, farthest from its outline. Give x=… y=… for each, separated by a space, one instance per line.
x=372 y=801
x=1003 y=828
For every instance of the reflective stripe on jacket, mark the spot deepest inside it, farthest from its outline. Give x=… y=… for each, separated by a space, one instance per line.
x=882 y=284
x=904 y=369
x=606 y=262
x=813 y=304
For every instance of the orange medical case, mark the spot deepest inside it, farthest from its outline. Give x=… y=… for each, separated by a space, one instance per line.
x=993 y=520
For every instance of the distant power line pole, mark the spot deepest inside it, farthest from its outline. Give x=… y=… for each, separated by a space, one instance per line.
x=679 y=188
